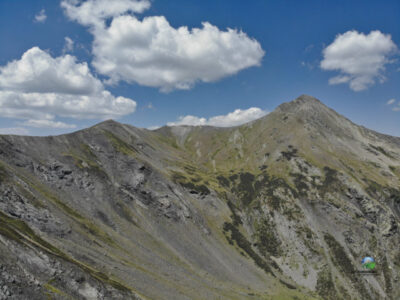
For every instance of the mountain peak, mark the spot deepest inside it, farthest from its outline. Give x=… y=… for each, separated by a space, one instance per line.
x=302 y=103
x=108 y=124
x=307 y=99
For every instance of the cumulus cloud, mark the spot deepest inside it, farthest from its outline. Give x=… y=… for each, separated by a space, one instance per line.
x=41 y=16
x=68 y=45
x=235 y=118
x=94 y=12
x=14 y=130
x=38 y=72
x=360 y=58
x=152 y=53
x=40 y=87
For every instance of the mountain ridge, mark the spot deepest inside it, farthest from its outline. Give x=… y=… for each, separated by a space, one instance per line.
x=283 y=207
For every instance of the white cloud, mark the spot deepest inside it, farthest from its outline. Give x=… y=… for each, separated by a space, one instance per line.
x=41 y=16
x=396 y=108
x=14 y=130
x=38 y=72
x=68 y=45
x=234 y=118
x=40 y=87
x=153 y=127
x=101 y=105
x=391 y=101
x=94 y=12
x=48 y=124
x=152 y=53
x=360 y=58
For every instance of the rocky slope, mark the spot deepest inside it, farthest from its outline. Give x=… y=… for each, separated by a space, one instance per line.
x=284 y=207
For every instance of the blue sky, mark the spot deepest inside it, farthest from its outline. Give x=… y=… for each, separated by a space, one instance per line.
x=276 y=51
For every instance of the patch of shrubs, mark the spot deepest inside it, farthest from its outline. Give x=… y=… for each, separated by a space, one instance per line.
x=291 y=153
x=325 y=285
x=268 y=242
x=243 y=243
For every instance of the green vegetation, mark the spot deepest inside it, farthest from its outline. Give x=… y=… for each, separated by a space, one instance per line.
x=308 y=236
x=3 y=173
x=233 y=177
x=374 y=164
x=245 y=189
x=81 y=220
x=331 y=183
x=291 y=153
x=381 y=150
x=249 y=187
x=396 y=260
x=124 y=212
x=19 y=232
x=345 y=265
x=223 y=181
x=339 y=255
x=167 y=140
x=267 y=240
x=84 y=158
x=377 y=190
x=120 y=145
x=29 y=196
x=241 y=241
x=53 y=290
x=325 y=285
x=387 y=275
x=288 y=285
x=300 y=183
x=235 y=218
x=190 y=183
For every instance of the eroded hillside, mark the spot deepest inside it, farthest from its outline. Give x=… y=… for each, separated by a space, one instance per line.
x=284 y=207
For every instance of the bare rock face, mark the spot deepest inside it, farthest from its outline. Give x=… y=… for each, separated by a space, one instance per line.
x=284 y=207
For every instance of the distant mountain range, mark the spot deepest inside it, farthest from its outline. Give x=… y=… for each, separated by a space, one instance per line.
x=284 y=207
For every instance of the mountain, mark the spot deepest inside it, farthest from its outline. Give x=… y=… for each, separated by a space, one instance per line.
x=284 y=207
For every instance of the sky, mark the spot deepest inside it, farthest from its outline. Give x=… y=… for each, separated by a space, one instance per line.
x=68 y=64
